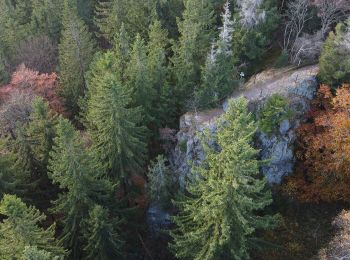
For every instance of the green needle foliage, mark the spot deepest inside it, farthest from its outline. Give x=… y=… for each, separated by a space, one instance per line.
x=113 y=124
x=196 y=31
x=102 y=236
x=162 y=101
x=33 y=253
x=274 y=111
x=75 y=54
x=21 y=228
x=335 y=56
x=78 y=175
x=223 y=207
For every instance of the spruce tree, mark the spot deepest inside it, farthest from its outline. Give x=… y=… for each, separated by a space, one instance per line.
x=196 y=31
x=41 y=132
x=335 y=55
x=118 y=140
x=21 y=228
x=102 y=235
x=162 y=101
x=46 y=18
x=219 y=76
x=109 y=17
x=33 y=253
x=78 y=174
x=223 y=207
x=75 y=54
x=139 y=79
x=136 y=15
x=8 y=170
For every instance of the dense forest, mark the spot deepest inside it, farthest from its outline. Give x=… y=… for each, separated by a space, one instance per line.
x=91 y=96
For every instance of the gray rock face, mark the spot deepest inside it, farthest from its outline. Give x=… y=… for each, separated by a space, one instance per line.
x=298 y=86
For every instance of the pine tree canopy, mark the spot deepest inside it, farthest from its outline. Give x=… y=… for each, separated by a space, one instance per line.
x=218 y=218
x=21 y=228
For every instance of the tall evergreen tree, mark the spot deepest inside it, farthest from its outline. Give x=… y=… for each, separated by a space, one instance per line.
x=75 y=54
x=21 y=228
x=118 y=140
x=41 y=132
x=33 y=253
x=224 y=206
x=219 y=74
x=136 y=15
x=102 y=235
x=196 y=31
x=138 y=79
x=158 y=74
x=8 y=170
x=78 y=175
x=46 y=17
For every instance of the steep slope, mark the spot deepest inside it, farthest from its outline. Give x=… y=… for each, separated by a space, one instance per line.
x=297 y=85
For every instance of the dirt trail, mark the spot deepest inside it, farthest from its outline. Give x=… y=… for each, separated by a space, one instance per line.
x=259 y=86
x=274 y=81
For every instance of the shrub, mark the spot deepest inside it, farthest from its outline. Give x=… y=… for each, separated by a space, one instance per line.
x=274 y=111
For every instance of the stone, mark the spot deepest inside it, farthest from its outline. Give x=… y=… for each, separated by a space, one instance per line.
x=299 y=87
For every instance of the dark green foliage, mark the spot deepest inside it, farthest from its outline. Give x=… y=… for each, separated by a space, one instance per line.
x=46 y=18
x=118 y=140
x=274 y=111
x=162 y=185
x=78 y=174
x=196 y=31
x=250 y=42
x=158 y=73
x=136 y=15
x=102 y=235
x=33 y=253
x=282 y=60
x=75 y=53
x=8 y=170
x=219 y=215
x=139 y=81
x=21 y=228
x=335 y=57
x=219 y=76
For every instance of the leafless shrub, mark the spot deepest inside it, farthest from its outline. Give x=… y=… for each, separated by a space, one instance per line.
x=307 y=47
x=339 y=247
x=296 y=17
x=37 y=53
x=16 y=110
x=332 y=12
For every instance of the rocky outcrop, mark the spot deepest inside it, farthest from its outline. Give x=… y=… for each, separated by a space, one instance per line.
x=298 y=86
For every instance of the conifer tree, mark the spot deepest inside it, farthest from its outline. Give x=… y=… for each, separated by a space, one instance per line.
x=219 y=73
x=158 y=73
x=75 y=54
x=102 y=235
x=78 y=175
x=46 y=17
x=139 y=79
x=8 y=170
x=41 y=132
x=189 y=53
x=33 y=253
x=118 y=140
x=109 y=17
x=21 y=228
x=218 y=217
x=161 y=185
x=136 y=15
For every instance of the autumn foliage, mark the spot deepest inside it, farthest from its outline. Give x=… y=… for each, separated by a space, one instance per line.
x=323 y=148
x=33 y=83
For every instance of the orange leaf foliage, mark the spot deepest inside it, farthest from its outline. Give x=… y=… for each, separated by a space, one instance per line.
x=43 y=85
x=323 y=150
